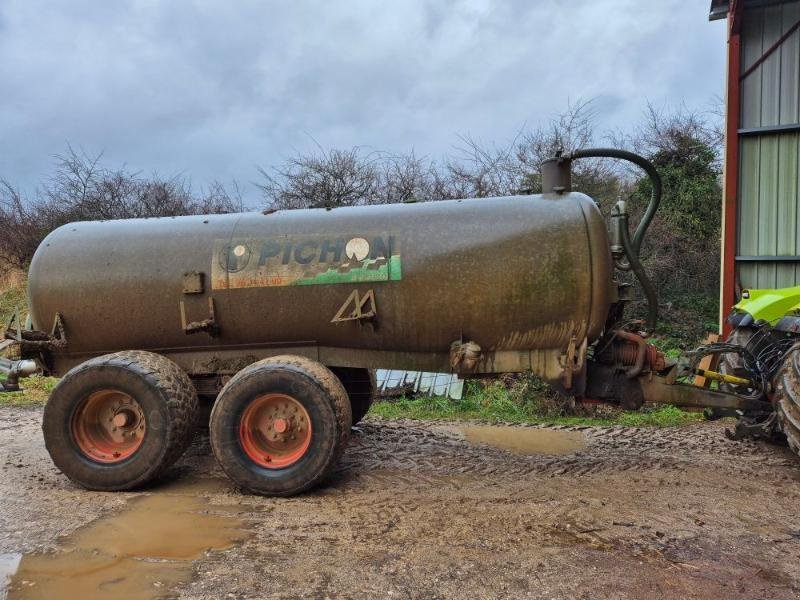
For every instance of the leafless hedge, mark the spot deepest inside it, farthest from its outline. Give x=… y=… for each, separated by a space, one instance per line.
x=82 y=189
x=331 y=178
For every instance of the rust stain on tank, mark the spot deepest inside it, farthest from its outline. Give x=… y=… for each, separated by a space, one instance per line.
x=552 y=335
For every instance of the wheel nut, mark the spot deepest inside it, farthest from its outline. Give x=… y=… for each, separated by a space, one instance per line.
x=121 y=419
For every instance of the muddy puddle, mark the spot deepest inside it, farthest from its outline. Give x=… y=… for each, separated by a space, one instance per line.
x=526 y=440
x=143 y=551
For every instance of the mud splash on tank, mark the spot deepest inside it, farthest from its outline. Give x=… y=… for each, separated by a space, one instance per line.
x=526 y=440
x=144 y=551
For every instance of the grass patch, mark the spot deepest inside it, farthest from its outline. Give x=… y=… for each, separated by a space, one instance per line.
x=661 y=416
x=35 y=391
x=443 y=409
x=496 y=403
x=13 y=295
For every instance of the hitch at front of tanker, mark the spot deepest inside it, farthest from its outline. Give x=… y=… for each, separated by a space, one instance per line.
x=20 y=344
x=623 y=367
x=13 y=370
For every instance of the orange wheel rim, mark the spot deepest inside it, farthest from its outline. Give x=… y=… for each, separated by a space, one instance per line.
x=109 y=426
x=275 y=431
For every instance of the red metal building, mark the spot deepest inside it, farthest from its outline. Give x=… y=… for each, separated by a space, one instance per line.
x=761 y=206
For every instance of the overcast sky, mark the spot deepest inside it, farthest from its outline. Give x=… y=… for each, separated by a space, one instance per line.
x=211 y=89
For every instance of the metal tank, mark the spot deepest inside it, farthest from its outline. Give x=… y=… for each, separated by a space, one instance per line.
x=474 y=286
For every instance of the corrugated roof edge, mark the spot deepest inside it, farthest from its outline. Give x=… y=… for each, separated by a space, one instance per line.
x=719 y=10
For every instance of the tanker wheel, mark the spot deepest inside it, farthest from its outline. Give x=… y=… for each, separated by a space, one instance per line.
x=279 y=426
x=360 y=385
x=787 y=398
x=118 y=421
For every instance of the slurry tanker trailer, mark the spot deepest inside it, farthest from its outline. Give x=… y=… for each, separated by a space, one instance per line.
x=279 y=319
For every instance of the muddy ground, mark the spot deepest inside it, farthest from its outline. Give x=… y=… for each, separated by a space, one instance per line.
x=418 y=511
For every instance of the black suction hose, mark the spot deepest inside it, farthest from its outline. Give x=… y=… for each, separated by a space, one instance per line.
x=638 y=270
x=655 y=180
x=633 y=246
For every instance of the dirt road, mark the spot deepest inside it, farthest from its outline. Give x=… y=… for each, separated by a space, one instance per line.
x=418 y=511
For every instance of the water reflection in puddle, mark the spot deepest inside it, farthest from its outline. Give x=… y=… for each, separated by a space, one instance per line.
x=526 y=440
x=143 y=551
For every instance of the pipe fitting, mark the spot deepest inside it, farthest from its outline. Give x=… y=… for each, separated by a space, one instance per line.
x=14 y=370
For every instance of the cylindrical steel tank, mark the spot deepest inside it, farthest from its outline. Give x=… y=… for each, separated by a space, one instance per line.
x=393 y=285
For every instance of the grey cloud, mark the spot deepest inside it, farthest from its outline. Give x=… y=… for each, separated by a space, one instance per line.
x=210 y=89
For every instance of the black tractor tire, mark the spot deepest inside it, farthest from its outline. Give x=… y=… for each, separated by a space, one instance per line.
x=361 y=387
x=168 y=405
x=311 y=387
x=787 y=398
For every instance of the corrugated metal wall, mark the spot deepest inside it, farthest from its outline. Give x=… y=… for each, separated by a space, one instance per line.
x=769 y=160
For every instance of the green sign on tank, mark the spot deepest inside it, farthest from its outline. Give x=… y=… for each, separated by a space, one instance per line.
x=291 y=260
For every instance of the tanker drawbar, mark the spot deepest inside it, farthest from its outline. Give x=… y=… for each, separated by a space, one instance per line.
x=276 y=321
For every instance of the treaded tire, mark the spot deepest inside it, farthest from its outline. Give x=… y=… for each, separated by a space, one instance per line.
x=787 y=398
x=307 y=382
x=361 y=387
x=166 y=395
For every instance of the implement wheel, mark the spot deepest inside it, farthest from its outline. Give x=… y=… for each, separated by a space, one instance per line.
x=279 y=426
x=787 y=398
x=361 y=386
x=118 y=421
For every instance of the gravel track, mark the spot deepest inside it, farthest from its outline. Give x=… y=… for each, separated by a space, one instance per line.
x=415 y=511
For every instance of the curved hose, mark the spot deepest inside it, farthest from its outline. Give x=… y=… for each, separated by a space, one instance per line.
x=632 y=246
x=638 y=270
x=655 y=180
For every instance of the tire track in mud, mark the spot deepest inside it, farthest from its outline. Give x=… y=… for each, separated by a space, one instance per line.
x=428 y=452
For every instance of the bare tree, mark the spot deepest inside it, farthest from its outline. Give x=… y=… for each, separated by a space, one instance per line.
x=219 y=199
x=407 y=177
x=82 y=189
x=21 y=228
x=570 y=130
x=480 y=171
x=677 y=130
x=326 y=179
x=329 y=178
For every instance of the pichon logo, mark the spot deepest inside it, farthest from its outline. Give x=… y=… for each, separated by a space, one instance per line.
x=234 y=257
x=237 y=256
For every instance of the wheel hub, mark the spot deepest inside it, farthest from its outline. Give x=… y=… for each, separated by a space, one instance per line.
x=275 y=431
x=109 y=426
